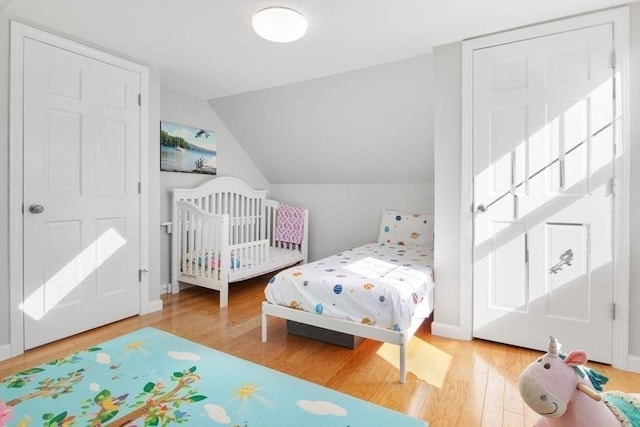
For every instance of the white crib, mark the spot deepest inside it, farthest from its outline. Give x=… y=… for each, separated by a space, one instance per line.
x=223 y=231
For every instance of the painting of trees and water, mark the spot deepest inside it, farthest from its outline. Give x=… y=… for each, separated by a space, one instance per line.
x=187 y=149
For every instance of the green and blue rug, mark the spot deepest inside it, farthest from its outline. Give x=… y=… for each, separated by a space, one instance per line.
x=152 y=378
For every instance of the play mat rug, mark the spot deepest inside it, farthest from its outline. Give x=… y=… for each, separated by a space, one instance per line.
x=152 y=378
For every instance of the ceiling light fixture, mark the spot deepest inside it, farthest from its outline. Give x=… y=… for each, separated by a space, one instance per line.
x=279 y=24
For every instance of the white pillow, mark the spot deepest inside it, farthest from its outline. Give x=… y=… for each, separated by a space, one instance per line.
x=406 y=228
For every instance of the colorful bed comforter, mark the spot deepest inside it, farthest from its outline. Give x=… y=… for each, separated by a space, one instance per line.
x=380 y=284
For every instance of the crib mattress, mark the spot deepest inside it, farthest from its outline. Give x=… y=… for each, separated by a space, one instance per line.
x=278 y=258
x=379 y=284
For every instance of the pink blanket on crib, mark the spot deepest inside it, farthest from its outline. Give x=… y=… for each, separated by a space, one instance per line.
x=289 y=224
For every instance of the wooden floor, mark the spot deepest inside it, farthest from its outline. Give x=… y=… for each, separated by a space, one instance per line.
x=449 y=383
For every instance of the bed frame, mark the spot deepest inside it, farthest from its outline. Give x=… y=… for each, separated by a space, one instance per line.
x=399 y=338
x=223 y=231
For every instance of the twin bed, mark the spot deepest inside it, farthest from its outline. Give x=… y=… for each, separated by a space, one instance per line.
x=381 y=290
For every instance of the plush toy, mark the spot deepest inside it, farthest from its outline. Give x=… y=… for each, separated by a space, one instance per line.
x=566 y=393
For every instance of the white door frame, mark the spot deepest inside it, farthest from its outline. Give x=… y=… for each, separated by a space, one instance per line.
x=19 y=32
x=619 y=17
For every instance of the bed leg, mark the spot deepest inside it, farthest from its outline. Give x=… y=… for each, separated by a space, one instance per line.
x=264 y=327
x=403 y=361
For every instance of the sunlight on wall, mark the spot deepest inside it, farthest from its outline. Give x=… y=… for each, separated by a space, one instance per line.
x=427 y=362
x=47 y=296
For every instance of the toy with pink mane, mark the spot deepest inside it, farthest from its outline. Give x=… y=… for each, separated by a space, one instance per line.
x=566 y=393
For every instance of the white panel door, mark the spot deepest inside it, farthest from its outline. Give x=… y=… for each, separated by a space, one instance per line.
x=543 y=172
x=81 y=201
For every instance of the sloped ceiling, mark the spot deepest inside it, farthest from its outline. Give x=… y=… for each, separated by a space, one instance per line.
x=368 y=126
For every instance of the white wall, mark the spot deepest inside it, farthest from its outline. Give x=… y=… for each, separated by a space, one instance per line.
x=348 y=215
x=447 y=63
x=232 y=160
x=344 y=146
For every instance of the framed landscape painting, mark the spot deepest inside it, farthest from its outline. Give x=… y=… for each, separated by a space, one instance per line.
x=187 y=149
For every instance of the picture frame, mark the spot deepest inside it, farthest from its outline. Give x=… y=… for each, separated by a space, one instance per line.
x=187 y=149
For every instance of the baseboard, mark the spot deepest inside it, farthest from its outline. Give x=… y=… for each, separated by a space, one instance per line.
x=5 y=352
x=449 y=331
x=633 y=364
x=164 y=289
x=151 y=307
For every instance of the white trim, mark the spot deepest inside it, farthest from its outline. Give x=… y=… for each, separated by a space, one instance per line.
x=633 y=364
x=146 y=306
x=151 y=306
x=19 y=32
x=620 y=19
x=466 y=193
x=622 y=167
x=450 y=331
x=5 y=352
x=16 y=337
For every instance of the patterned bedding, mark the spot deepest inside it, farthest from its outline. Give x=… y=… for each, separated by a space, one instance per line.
x=380 y=284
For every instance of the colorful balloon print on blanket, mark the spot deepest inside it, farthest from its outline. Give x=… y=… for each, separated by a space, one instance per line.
x=378 y=284
x=406 y=228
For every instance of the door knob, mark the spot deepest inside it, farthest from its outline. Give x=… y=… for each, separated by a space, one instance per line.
x=481 y=208
x=36 y=209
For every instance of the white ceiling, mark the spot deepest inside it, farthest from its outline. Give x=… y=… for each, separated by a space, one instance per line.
x=206 y=48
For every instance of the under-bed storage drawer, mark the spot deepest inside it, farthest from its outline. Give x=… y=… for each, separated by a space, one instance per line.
x=324 y=335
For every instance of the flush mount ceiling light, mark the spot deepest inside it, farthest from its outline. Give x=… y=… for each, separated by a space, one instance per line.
x=279 y=24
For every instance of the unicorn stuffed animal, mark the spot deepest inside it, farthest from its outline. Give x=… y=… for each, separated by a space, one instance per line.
x=561 y=389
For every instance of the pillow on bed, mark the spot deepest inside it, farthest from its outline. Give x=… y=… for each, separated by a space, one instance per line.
x=406 y=228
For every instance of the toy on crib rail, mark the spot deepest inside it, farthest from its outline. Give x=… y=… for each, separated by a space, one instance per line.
x=560 y=388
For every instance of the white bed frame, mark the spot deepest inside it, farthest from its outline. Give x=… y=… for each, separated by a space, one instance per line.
x=221 y=221
x=399 y=338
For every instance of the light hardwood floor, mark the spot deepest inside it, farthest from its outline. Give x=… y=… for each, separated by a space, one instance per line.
x=449 y=383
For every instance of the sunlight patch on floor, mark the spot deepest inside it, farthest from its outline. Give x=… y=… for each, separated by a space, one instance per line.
x=425 y=361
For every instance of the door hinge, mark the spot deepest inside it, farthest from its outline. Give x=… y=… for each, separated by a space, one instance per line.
x=140 y=274
x=614 y=60
x=139 y=187
x=140 y=99
x=613 y=310
x=610 y=187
